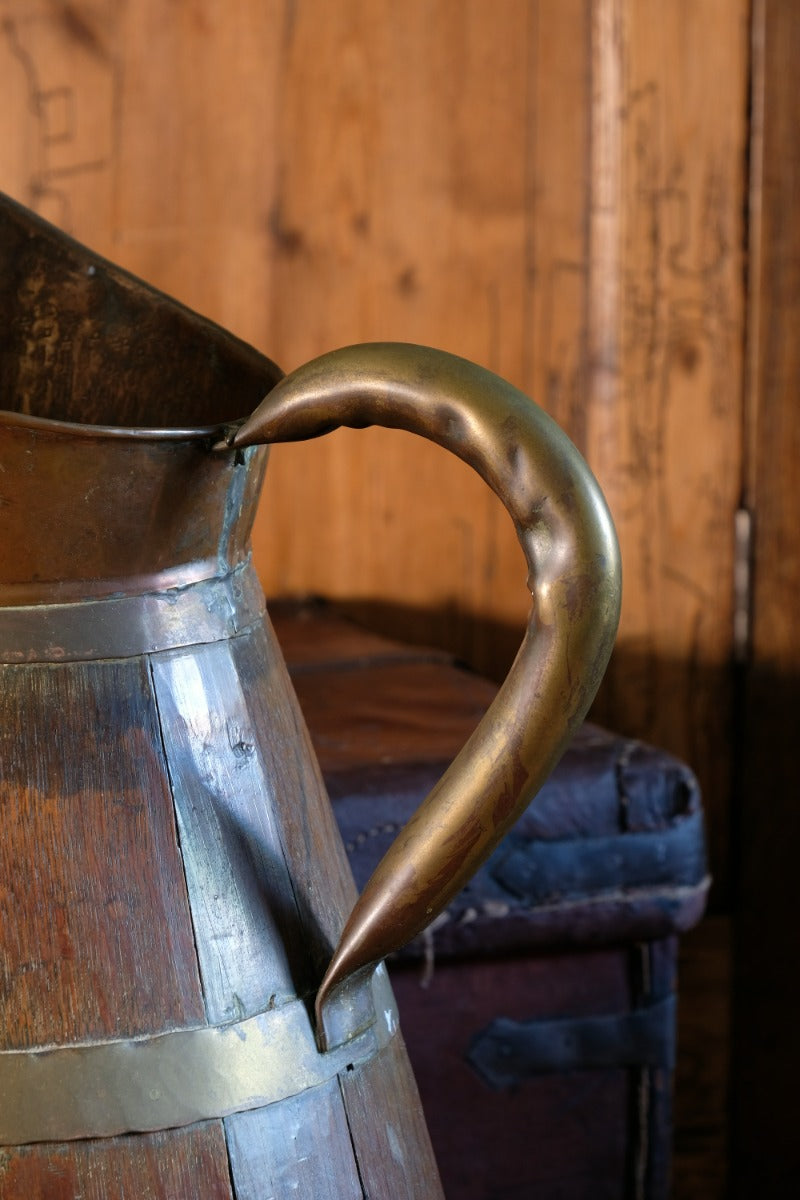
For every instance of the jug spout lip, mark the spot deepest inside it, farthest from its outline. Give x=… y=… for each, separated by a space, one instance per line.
x=76 y=429
x=88 y=344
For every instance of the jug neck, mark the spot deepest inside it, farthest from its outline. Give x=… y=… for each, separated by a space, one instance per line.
x=88 y=513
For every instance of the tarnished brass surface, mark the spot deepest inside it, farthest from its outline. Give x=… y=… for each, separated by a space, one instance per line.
x=574 y=577
x=207 y=610
x=135 y=1085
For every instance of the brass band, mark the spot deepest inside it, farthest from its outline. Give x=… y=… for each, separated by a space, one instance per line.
x=123 y=626
x=138 y=1085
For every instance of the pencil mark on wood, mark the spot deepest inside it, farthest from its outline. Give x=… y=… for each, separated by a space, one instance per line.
x=561 y=347
x=58 y=151
x=684 y=581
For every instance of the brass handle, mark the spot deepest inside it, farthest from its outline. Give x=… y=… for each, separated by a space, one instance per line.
x=573 y=558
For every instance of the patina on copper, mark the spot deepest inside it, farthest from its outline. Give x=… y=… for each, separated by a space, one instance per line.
x=573 y=558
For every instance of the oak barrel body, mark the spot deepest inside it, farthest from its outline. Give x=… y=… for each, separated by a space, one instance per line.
x=172 y=883
x=151 y=884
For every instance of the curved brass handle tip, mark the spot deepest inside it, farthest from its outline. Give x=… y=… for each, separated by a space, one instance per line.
x=573 y=560
x=346 y=1011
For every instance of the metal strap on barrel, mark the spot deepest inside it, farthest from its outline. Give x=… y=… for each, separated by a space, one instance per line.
x=123 y=626
x=174 y=1079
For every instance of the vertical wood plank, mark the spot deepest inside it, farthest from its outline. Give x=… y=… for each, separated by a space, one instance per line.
x=321 y=877
x=89 y=861
x=197 y=112
x=234 y=744
x=447 y=150
x=247 y=929
x=766 y=1036
x=95 y=934
x=247 y=796
x=388 y=1128
x=179 y=1165
x=665 y=400
x=300 y=1146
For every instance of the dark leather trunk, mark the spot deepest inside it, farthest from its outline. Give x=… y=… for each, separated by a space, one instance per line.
x=539 y=1010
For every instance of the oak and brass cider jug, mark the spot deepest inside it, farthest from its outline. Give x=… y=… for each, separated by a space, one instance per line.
x=193 y=1001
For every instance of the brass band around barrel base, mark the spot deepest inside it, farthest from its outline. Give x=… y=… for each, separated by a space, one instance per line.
x=138 y=1085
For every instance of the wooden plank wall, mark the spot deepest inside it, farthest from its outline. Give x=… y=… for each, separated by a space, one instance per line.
x=532 y=187
x=554 y=188
x=666 y=366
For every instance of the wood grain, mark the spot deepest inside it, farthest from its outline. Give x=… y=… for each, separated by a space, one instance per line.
x=549 y=189
x=301 y=1146
x=321 y=878
x=178 y=1165
x=95 y=933
x=197 y=124
x=60 y=71
x=249 y=940
x=233 y=768
x=387 y=1127
x=273 y=1145
x=448 y=209
x=666 y=330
